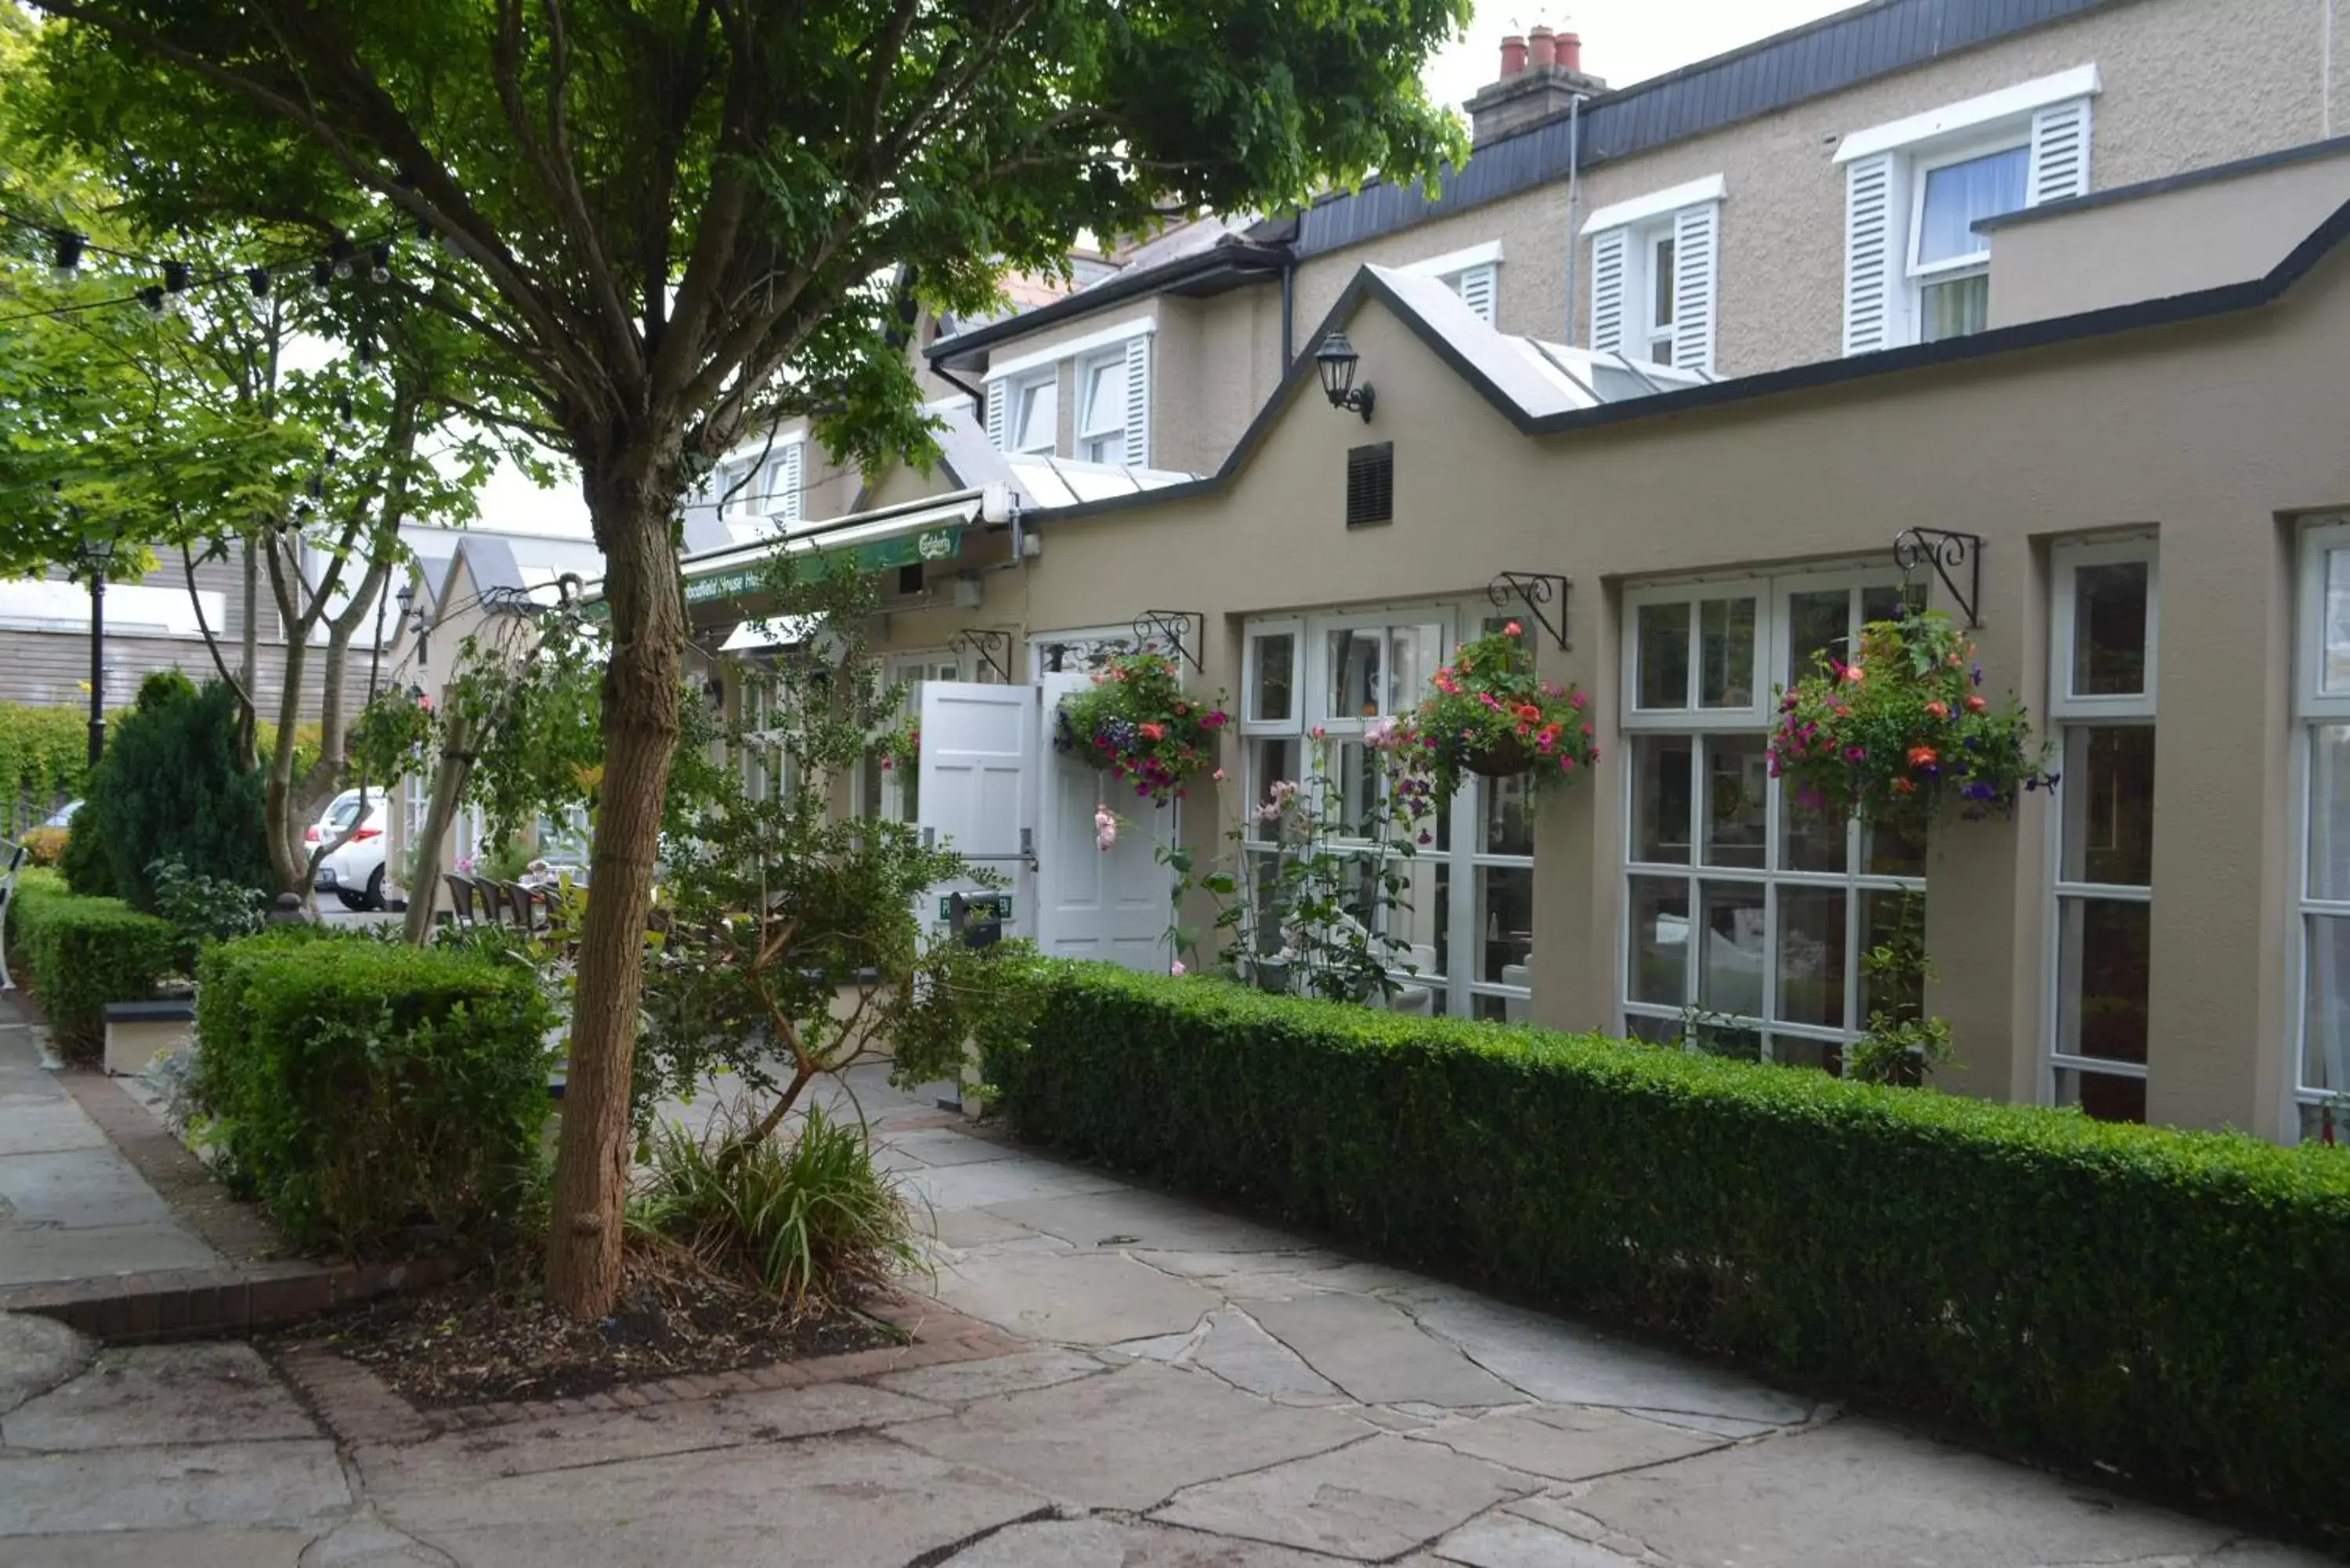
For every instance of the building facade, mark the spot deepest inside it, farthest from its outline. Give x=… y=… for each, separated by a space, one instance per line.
x=2139 y=455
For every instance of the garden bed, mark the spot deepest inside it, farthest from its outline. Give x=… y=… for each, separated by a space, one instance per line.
x=474 y=1342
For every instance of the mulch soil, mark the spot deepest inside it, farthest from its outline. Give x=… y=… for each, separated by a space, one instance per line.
x=477 y=1341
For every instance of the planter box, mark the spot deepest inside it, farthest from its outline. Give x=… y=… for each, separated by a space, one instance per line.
x=137 y=1031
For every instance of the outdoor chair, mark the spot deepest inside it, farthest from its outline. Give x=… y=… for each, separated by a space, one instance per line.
x=461 y=899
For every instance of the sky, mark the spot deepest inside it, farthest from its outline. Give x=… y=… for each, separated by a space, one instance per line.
x=1623 y=41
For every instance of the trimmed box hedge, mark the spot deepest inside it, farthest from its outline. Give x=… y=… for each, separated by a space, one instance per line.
x=361 y=1090
x=2173 y=1304
x=82 y=953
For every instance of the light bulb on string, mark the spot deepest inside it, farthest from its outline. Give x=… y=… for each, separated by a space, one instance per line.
x=177 y=276
x=343 y=265
x=151 y=297
x=321 y=274
x=379 y=262
x=258 y=279
x=65 y=263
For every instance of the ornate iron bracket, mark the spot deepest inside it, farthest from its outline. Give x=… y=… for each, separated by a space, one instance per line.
x=1946 y=552
x=1533 y=590
x=984 y=644
x=1175 y=628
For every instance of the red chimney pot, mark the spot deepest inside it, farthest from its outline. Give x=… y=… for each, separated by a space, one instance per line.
x=1541 y=51
x=1514 y=55
x=1570 y=52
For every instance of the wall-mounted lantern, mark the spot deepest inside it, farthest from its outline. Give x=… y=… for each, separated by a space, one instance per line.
x=1336 y=360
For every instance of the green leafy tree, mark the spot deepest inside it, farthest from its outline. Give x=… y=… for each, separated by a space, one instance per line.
x=673 y=221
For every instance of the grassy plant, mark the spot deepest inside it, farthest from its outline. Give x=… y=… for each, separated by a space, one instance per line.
x=808 y=1215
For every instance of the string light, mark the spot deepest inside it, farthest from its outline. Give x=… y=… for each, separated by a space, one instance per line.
x=65 y=264
x=379 y=261
x=322 y=273
x=256 y=279
x=151 y=297
x=341 y=264
x=177 y=276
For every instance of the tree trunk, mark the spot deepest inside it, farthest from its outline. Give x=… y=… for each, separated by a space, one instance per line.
x=249 y=669
x=448 y=788
x=641 y=586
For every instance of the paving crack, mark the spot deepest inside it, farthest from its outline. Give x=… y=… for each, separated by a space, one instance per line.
x=938 y=1555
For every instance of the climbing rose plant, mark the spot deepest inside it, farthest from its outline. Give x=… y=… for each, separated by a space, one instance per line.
x=1487 y=715
x=1135 y=723
x=1903 y=730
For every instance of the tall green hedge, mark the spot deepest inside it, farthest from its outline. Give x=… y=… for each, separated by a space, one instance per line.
x=81 y=953
x=2173 y=1304
x=43 y=761
x=361 y=1089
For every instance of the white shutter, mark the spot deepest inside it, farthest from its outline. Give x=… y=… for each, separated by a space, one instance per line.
x=2059 y=153
x=1137 y=401
x=1608 y=250
x=1873 y=254
x=1695 y=275
x=1480 y=288
x=995 y=390
x=786 y=503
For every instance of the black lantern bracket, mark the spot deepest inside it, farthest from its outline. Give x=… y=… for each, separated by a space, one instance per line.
x=1535 y=590
x=1947 y=553
x=1174 y=628
x=990 y=648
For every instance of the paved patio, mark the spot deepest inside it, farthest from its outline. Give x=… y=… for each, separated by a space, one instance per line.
x=1197 y=1389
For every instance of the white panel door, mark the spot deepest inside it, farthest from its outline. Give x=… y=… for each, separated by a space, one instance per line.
x=1093 y=903
x=978 y=786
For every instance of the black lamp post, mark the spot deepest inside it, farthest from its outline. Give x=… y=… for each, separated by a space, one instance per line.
x=1336 y=360
x=97 y=555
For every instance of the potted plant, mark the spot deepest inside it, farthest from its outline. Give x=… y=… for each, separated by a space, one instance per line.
x=1903 y=730
x=1135 y=723
x=1489 y=716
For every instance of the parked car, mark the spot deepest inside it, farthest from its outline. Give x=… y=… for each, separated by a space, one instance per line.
x=62 y=816
x=353 y=873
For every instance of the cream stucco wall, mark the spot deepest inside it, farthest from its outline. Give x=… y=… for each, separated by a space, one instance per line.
x=2150 y=246
x=2213 y=434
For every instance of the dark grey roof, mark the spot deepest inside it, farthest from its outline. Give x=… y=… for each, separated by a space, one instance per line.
x=1822 y=56
x=1227 y=263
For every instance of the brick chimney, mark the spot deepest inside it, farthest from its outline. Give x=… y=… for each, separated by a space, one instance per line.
x=1541 y=74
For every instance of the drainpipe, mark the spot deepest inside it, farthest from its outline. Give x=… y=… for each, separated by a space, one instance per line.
x=1574 y=207
x=1288 y=310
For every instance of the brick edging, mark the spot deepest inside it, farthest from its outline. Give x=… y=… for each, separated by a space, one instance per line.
x=359 y=1407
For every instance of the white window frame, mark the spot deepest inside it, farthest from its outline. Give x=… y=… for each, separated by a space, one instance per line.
x=909 y=668
x=1016 y=396
x=2312 y=706
x=1090 y=429
x=1457 y=986
x=1652 y=331
x=1922 y=275
x=2067 y=712
x=1773 y=597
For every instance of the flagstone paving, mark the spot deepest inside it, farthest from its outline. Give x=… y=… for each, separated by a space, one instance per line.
x=1196 y=1390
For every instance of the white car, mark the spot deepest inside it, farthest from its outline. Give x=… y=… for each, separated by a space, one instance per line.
x=353 y=873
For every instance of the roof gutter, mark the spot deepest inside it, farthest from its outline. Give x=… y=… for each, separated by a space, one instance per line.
x=969 y=350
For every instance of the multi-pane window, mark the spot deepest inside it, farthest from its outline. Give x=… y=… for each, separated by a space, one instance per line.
x=1748 y=917
x=1101 y=409
x=1036 y=413
x=1949 y=262
x=1469 y=930
x=2322 y=707
x=2101 y=696
x=888 y=790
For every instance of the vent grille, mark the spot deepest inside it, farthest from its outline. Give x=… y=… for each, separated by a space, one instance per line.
x=1370 y=484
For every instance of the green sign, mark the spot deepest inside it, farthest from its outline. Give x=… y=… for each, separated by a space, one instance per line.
x=980 y=903
x=940 y=543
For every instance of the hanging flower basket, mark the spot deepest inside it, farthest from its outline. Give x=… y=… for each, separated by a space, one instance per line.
x=1903 y=732
x=1488 y=716
x=1135 y=723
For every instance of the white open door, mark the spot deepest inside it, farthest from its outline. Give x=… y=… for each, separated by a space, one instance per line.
x=978 y=788
x=1094 y=904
